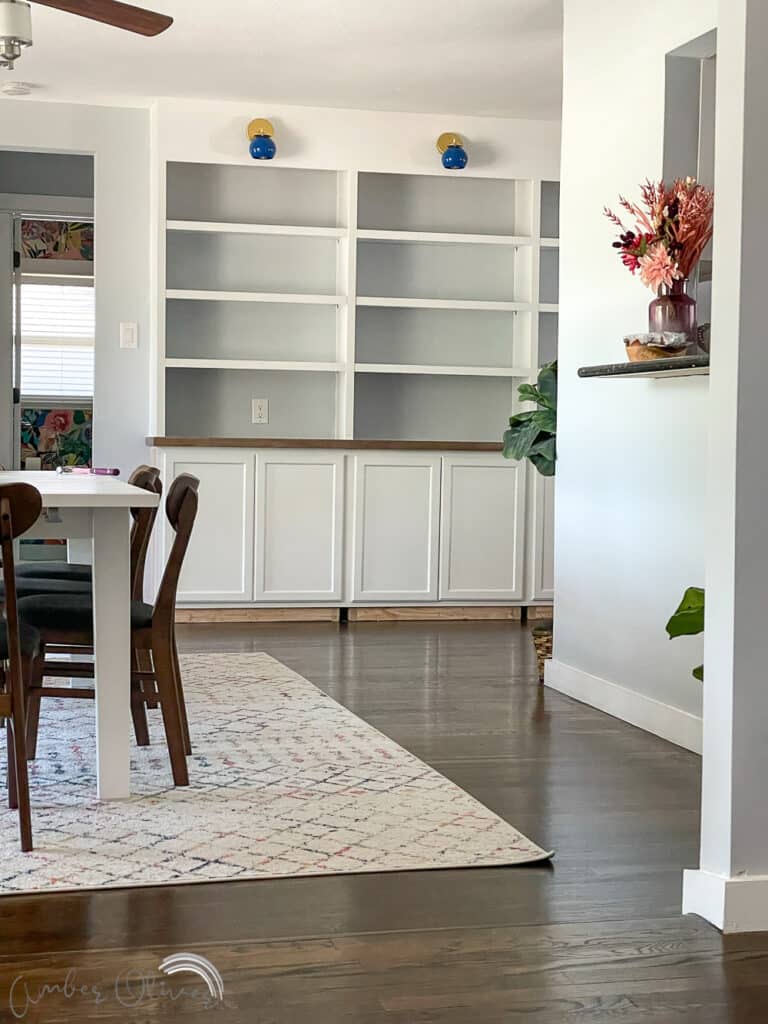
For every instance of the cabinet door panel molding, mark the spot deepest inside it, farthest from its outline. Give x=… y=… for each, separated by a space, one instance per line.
x=299 y=526
x=396 y=527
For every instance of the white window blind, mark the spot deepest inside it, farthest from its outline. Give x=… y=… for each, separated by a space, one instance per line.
x=57 y=340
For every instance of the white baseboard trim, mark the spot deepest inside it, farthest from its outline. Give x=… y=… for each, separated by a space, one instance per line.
x=663 y=720
x=730 y=904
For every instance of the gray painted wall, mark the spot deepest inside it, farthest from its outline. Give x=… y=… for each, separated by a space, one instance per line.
x=46 y=174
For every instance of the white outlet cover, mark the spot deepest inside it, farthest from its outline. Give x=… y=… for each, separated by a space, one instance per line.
x=260 y=410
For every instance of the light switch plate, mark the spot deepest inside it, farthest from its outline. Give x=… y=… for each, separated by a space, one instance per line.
x=129 y=335
x=260 y=410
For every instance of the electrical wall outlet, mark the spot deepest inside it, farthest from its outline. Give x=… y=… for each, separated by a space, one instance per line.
x=259 y=410
x=129 y=335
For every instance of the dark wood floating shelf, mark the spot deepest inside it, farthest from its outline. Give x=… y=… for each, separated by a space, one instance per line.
x=677 y=366
x=323 y=442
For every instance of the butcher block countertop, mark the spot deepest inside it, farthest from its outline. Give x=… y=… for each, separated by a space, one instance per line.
x=323 y=442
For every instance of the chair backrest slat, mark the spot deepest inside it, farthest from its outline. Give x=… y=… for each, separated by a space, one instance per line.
x=20 y=507
x=181 y=510
x=148 y=478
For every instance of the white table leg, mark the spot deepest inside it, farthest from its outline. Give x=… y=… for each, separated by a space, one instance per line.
x=112 y=623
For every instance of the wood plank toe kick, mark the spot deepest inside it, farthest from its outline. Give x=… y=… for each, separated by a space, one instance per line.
x=257 y=614
x=539 y=611
x=455 y=613
x=419 y=613
x=323 y=443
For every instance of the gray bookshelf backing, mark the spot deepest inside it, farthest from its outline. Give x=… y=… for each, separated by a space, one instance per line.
x=251 y=194
x=428 y=271
x=217 y=403
x=251 y=263
x=550 y=209
x=423 y=407
x=245 y=330
x=412 y=202
x=447 y=337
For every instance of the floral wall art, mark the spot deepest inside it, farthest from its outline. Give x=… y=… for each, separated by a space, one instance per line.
x=56 y=240
x=59 y=437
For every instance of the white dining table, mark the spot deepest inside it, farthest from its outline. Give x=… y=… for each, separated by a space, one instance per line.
x=82 y=507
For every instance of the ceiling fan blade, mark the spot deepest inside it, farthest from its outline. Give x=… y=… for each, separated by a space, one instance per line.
x=112 y=12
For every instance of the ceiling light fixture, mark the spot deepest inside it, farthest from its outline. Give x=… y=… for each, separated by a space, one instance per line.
x=16 y=21
x=15 y=30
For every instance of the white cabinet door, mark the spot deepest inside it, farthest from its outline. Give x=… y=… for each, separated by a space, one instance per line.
x=543 y=538
x=219 y=562
x=299 y=526
x=482 y=529
x=395 y=531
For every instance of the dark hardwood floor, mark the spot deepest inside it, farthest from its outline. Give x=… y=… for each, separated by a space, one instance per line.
x=595 y=937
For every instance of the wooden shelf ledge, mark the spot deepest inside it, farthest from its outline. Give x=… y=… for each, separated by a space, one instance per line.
x=659 y=369
x=323 y=443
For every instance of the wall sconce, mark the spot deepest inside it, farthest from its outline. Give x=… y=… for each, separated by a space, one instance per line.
x=455 y=156
x=260 y=132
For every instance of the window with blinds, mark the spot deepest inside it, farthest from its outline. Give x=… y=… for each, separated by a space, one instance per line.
x=57 y=340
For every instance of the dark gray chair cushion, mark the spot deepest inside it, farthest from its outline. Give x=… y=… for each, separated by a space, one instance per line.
x=54 y=571
x=72 y=613
x=32 y=587
x=29 y=637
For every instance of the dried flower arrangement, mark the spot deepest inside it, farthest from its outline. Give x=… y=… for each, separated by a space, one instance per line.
x=672 y=228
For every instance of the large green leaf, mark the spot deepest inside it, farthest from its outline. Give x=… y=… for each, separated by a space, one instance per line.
x=531 y=435
x=544 y=465
x=530 y=393
x=546 y=420
x=518 y=439
x=548 y=384
x=688 y=620
x=544 y=446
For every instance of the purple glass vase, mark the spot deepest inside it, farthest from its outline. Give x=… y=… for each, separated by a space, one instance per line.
x=675 y=310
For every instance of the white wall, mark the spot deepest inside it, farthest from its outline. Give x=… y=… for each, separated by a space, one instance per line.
x=118 y=138
x=362 y=140
x=631 y=471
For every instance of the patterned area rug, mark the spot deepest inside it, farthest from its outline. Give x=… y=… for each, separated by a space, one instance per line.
x=284 y=782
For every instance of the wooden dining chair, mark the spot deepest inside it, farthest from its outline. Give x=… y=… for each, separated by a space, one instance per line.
x=20 y=646
x=67 y=621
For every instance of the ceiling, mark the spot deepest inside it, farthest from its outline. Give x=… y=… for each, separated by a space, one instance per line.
x=492 y=57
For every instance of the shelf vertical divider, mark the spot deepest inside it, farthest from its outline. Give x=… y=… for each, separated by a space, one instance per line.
x=157 y=342
x=535 y=278
x=346 y=317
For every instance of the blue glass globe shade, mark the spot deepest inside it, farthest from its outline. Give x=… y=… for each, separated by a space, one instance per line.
x=263 y=147
x=455 y=158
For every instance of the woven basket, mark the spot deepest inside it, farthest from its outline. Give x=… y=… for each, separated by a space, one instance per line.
x=542 y=641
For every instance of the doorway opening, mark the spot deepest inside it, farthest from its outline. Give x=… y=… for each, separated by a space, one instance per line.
x=47 y=311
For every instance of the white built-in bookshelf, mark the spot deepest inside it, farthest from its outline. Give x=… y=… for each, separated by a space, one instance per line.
x=361 y=305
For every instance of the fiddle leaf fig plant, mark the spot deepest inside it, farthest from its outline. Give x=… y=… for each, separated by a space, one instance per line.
x=688 y=620
x=531 y=435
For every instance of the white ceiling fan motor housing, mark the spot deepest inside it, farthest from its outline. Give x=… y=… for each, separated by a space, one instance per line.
x=15 y=30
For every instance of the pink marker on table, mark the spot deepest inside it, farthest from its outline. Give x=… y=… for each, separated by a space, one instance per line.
x=85 y=471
